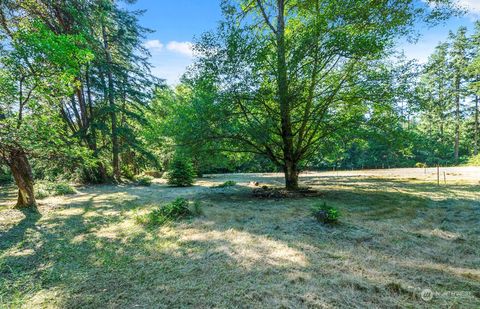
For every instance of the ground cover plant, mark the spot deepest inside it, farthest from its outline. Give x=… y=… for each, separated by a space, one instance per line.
x=53 y=188
x=226 y=184
x=143 y=180
x=325 y=214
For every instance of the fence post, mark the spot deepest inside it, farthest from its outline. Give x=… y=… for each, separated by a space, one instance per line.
x=438 y=174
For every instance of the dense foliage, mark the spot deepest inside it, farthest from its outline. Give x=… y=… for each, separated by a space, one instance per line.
x=278 y=86
x=181 y=172
x=397 y=113
x=269 y=84
x=74 y=83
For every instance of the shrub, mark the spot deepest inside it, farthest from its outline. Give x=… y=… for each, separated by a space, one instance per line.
x=41 y=193
x=100 y=173
x=474 y=161
x=128 y=173
x=46 y=188
x=420 y=165
x=228 y=183
x=62 y=189
x=144 y=180
x=181 y=173
x=197 y=208
x=325 y=214
x=154 y=173
x=176 y=210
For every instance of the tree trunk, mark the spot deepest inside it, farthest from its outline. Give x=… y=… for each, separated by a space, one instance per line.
x=475 y=144
x=290 y=162
x=22 y=173
x=457 y=120
x=92 y=138
x=113 y=116
x=291 y=176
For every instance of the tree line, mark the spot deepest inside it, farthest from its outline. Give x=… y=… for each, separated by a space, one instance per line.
x=278 y=86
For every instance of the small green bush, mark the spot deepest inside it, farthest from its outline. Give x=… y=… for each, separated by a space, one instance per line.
x=41 y=193
x=45 y=189
x=176 y=210
x=420 y=165
x=228 y=183
x=474 y=161
x=154 y=173
x=197 y=208
x=325 y=214
x=128 y=173
x=144 y=180
x=63 y=189
x=181 y=173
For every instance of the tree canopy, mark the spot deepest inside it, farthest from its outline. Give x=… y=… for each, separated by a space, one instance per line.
x=277 y=86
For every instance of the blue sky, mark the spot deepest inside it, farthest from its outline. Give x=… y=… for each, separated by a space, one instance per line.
x=177 y=23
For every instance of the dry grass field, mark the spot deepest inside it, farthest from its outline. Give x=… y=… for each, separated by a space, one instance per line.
x=400 y=237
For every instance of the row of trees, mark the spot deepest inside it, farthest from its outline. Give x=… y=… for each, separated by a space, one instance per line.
x=451 y=93
x=74 y=82
x=300 y=82
x=280 y=85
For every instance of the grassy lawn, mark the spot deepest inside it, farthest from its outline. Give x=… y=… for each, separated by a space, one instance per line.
x=396 y=238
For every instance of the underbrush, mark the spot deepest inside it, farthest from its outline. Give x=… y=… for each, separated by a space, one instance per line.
x=45 y=189
x=5 y=176
x=228 y=183
x=474 y=161
x=143 y=180
x=179 y=209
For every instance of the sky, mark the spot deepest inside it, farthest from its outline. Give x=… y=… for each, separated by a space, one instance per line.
x=177 y=23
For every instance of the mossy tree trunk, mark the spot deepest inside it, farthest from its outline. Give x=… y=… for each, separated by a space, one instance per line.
x=22 y=173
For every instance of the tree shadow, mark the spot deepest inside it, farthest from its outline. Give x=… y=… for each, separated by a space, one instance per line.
x=16 y=234
x=242 y=253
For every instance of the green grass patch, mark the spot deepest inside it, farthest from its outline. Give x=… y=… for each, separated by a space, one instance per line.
x=80 y=254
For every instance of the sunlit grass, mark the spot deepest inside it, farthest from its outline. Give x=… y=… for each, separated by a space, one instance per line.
x=395 y=238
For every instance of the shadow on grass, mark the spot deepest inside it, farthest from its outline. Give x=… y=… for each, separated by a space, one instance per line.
x=16 y=234
x=244 y=253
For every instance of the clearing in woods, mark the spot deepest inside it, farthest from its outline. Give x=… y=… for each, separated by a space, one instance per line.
x=399 y=235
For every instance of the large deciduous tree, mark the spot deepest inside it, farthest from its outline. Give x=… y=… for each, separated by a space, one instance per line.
x=282 y=76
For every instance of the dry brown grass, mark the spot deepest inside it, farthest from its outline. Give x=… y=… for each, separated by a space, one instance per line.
x=396 y=238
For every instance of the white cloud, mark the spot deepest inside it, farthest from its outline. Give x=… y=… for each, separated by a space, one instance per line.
x=153 y=45
x=472 y=6
x=184 y=48
x=169 y=60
